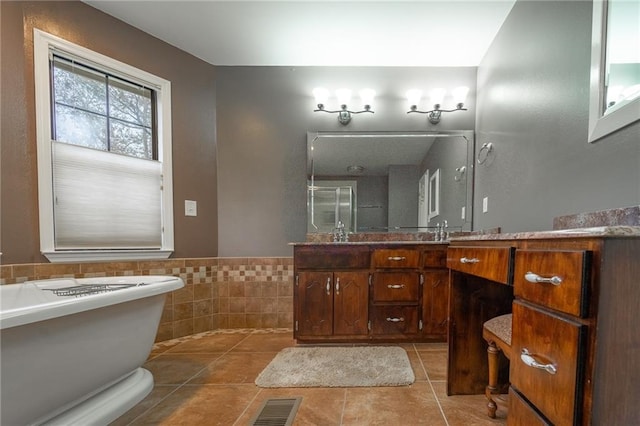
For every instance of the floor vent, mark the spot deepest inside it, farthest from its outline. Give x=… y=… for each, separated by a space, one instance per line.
x=277 y=412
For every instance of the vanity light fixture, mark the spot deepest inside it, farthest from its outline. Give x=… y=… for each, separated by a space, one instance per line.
x=437 y=96
x=344 y=96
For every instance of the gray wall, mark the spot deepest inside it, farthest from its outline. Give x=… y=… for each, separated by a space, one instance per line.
x=403 y=195
x=263 y=115
x=533 y=96
x=445 y=154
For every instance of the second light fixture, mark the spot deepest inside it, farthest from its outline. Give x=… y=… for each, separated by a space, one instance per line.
x=437 y=96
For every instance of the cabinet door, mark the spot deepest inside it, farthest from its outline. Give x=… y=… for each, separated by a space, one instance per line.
x=350 y=303
x=315 y=304
x=435 y=301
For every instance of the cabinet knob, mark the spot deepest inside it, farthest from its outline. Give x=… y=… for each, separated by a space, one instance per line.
x=529 y=360
x=395 y=286
x=535 y=278
x=395 y=319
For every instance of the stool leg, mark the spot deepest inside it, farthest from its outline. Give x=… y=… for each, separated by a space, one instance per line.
x=492 y=356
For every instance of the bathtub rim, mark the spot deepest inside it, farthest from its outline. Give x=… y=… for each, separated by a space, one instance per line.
x=68 y=305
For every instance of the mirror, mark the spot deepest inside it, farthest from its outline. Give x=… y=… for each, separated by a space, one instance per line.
x=615 y=67
x=389 y=181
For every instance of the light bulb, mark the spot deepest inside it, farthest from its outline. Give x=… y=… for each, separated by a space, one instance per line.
x=321 y=94
x=460 y=94
x=367 y=96
x=437 y=95
x=344 y=96
x=413 y=96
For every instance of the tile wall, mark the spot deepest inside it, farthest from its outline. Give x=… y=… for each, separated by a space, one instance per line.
x=219 y=293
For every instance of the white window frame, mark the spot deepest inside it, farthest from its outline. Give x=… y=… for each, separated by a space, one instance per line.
x=43 y=43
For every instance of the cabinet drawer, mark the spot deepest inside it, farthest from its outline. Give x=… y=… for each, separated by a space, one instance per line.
x=434 y=258
x=492 y=263
x=395 y=258
x=331 y=257
x=556 y=279
x=396 y=286
x=521 y=413
x=394 y=320
x=543 y=339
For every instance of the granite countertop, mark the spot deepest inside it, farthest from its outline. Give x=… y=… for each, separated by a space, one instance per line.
x=612 y=223
x=366 y=243
x=600 y=231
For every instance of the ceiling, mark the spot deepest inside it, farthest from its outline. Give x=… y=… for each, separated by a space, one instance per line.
x=320 y=33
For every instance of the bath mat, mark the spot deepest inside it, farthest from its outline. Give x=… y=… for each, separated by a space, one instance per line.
x=302 y=367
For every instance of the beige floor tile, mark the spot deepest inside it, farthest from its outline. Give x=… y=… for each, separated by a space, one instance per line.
x=209 y=344
x=435 y=346
x=416 y=366
x=273 y=342
x=402 y=405
x=435 y=363
x=220 y=369
x=158 y=393
x=468 y=410
x=234 y=368
x=170 y=369
x=200 y=405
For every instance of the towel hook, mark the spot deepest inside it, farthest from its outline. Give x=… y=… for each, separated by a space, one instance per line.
x=486 y=147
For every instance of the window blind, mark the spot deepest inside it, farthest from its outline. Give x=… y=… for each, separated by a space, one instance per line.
x=104 y=200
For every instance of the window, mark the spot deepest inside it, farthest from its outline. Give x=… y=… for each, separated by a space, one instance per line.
x=104 y=156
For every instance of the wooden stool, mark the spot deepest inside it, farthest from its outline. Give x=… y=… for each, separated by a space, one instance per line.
x=497 y=333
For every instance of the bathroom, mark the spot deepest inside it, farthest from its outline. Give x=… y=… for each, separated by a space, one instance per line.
x=239 y=135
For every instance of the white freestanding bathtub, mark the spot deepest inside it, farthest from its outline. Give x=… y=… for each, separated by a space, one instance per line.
x=72 y=349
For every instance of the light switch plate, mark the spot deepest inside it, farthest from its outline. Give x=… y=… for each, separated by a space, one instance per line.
x=190 y=208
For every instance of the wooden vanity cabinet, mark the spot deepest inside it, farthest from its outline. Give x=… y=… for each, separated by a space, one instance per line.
x=435 y=293
x=331 y=293
x=550 y=331
x=481 y=289
x=377 y=291
x=575 y=344
x=396 y=293
x=332 y=304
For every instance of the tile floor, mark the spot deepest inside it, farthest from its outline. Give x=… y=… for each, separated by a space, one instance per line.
x=208 y=379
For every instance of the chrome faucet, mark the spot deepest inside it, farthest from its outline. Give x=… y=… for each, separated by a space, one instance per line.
x=339 y=234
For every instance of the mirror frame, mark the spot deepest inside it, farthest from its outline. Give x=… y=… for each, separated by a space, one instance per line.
x=600 y=125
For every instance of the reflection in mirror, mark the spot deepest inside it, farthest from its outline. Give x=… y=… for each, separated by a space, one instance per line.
x=389 y=181
x=615 y=67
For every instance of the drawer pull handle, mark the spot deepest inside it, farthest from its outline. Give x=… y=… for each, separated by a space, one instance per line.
x=535 y=278
x=396 y=258
x=328 y=286
x=529 y=360
x=395 y=286
x=467 y=260
x=395 y=319
x=337 y=286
